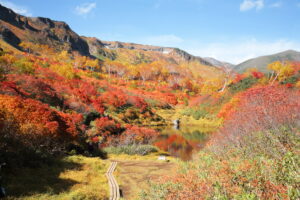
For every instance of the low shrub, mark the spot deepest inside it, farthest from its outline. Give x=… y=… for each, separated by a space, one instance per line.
x=243 y=84
x=237 y=173
x=32 y=131
x=138 y=135
x=260 y=109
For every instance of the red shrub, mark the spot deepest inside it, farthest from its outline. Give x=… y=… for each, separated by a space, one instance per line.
x=98 y=105
x=257 y=75
x=36 y=88
x=115 y=98
x=262 y=108
x=289 y=85
x=170 y=98
x=138 y=135
x=11 y=88
x=106 y=126
x=238 y=78
x=34 y=117
x=84 y=90
x=138 y=102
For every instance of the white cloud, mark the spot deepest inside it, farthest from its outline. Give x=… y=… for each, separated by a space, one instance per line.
x=163 y=40
x=18 y=9
x=276 y=5
x=251 y=4
x=85 y=8
x=244 y=50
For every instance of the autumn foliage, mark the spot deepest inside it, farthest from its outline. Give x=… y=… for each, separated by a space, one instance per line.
x=61 y=102
x=260 y=108
x=138 y=135
x=33 y=117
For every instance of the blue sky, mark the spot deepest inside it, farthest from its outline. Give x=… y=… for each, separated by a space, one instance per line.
x=229 y=30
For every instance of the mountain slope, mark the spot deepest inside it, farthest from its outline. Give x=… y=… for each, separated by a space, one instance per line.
x=218 y=63
x=15 y=28
x=107 y=49
x=262 y=62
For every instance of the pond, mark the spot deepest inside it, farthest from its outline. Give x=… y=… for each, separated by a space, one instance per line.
x=182 y=142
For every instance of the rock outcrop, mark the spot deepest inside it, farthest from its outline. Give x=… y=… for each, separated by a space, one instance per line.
x=15 y=28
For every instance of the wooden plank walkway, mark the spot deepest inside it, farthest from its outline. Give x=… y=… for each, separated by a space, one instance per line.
x=113 y=185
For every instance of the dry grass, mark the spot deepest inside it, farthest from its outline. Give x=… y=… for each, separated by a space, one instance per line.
x=133 y=176
x=74 y=177
x=149 y=157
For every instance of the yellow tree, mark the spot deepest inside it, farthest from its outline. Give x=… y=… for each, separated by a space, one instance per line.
x=146 y=72
x=280 y=70
x=66 y=70
x=64 y=56
x=6 y=61
x=92 y=64
x=132 y=71
x=28 y=46
x=115 y=67
x=211 y=86
x=78 y=60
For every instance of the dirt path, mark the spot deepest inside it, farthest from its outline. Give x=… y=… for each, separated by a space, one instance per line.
x=133 y=176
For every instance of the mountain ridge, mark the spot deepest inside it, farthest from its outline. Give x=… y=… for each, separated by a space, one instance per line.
x=15 y=28
x=262 y=62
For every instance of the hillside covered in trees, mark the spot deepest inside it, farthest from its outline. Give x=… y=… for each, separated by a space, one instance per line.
x=62 y=94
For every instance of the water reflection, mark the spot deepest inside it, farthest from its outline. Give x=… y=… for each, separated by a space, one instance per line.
x=181 y=142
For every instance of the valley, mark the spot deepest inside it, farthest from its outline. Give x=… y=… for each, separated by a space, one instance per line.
x=70 y=105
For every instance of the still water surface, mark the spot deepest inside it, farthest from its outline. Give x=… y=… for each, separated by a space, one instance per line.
x=182 y=142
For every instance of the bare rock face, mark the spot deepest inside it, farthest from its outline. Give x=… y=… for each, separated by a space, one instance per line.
x=8 y=36
x=15 y=28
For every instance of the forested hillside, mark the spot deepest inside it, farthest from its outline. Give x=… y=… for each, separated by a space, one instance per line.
x=62 y=94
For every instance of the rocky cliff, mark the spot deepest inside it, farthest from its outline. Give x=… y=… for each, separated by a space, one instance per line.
x=15 y=28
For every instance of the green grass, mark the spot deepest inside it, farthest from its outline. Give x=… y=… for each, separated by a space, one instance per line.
x=73 y=177
x=132 y=149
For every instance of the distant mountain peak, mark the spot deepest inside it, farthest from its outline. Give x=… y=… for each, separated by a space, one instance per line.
x=262 y=62
x=218 y=63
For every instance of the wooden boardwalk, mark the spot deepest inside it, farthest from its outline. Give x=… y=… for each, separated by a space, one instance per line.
x=113 y=185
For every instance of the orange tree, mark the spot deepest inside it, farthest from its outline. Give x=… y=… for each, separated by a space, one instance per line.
x=28 y=125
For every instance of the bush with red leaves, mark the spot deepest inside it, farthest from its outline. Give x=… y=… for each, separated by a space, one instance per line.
x=257 y=75
x=115 y=98
x=261 y=108
x=138 y=102
x=138 y=135
x=33 y=117
x=106 y=126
